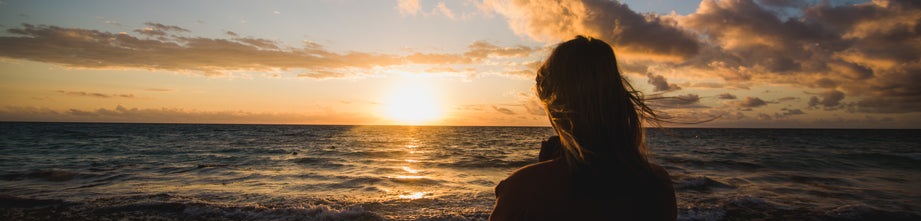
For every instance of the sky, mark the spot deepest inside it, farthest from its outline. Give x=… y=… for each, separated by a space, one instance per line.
x=739 y=63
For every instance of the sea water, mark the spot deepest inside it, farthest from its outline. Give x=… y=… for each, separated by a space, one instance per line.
x=97 y=171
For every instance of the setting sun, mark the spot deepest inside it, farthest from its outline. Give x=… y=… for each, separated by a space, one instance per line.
x=413 y=102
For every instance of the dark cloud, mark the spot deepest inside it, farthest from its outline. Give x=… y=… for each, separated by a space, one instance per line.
x=642 y=35
x=726 y=96
x=742 y=30
x=788 y=112
x=785 y=99
x=888 y=105
x=169 y=28
x=659 y=83
x=783 y=3
x=751 y=102
x=679 y=101
x=156 y=29
x=824 y=83
x=868 y=50
x=830 y=99
x=259 y=43
x=638 y=33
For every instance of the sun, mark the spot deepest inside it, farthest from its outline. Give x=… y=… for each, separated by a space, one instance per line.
x=413 y=103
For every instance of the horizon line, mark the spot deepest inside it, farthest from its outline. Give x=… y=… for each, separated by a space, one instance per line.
x=410 y=125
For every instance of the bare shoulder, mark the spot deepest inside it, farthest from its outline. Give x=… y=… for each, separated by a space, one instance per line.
x=530 y=192
x=536 y=177
x=660 y=172
x=536 y=171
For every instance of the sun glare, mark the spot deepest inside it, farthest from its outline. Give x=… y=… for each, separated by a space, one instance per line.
x=413 y=103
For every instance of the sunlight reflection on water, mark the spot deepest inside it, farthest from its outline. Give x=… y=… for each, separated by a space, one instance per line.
x=415 y=195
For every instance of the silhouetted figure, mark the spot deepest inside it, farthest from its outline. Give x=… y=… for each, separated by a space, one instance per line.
x=597 y=166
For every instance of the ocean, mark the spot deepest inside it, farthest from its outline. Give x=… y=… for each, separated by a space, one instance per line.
x=113 y=171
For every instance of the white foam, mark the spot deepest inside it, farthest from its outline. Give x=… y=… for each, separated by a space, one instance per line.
x=704 y=214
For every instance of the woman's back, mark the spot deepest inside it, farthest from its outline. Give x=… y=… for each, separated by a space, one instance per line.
x=545 y=191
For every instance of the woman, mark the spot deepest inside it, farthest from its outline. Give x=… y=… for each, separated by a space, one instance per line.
x=601 y=171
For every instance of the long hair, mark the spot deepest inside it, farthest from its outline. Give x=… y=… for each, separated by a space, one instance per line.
x=595 y=111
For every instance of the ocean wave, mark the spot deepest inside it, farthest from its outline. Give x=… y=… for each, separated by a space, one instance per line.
x=888 y=160
x=175 y=207
x=15 y=208
x=317 y=161
x=718 y=164
x=358 y=182
x=486 y=162
x=699 y=183
x=754 y=208
x=52 y=175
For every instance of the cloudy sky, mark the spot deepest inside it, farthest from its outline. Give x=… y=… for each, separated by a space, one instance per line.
x=746 y=63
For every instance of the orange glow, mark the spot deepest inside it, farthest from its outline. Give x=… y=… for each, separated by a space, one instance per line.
x=413 y=103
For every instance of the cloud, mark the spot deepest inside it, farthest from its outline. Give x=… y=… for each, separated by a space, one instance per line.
x=167 y=28
x=84 y=48
x=503 y=110
x=887 y=105
x=480 y=50
x=322 y=75
x=680 y=101
x=176 y=115
x=408 y=7
x=788 y=112
x=94 y=94
x=644 y=36
x=532 y=104
x=258 y=42
x=830 y=99
x=785 y=99
x=782 y=3
x=95 y=49
x=444 y=10
x=726 y=96
x=702 y=85
x=659 y=83
x=751 y=102
x=157 y=29
x=868 y=50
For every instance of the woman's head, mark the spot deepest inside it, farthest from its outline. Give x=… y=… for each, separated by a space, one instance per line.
x=596 y=112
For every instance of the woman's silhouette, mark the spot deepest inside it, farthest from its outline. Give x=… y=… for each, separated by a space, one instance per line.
x=601 y=170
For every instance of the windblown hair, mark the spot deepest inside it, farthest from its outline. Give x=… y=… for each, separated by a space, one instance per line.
x=598 y=115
